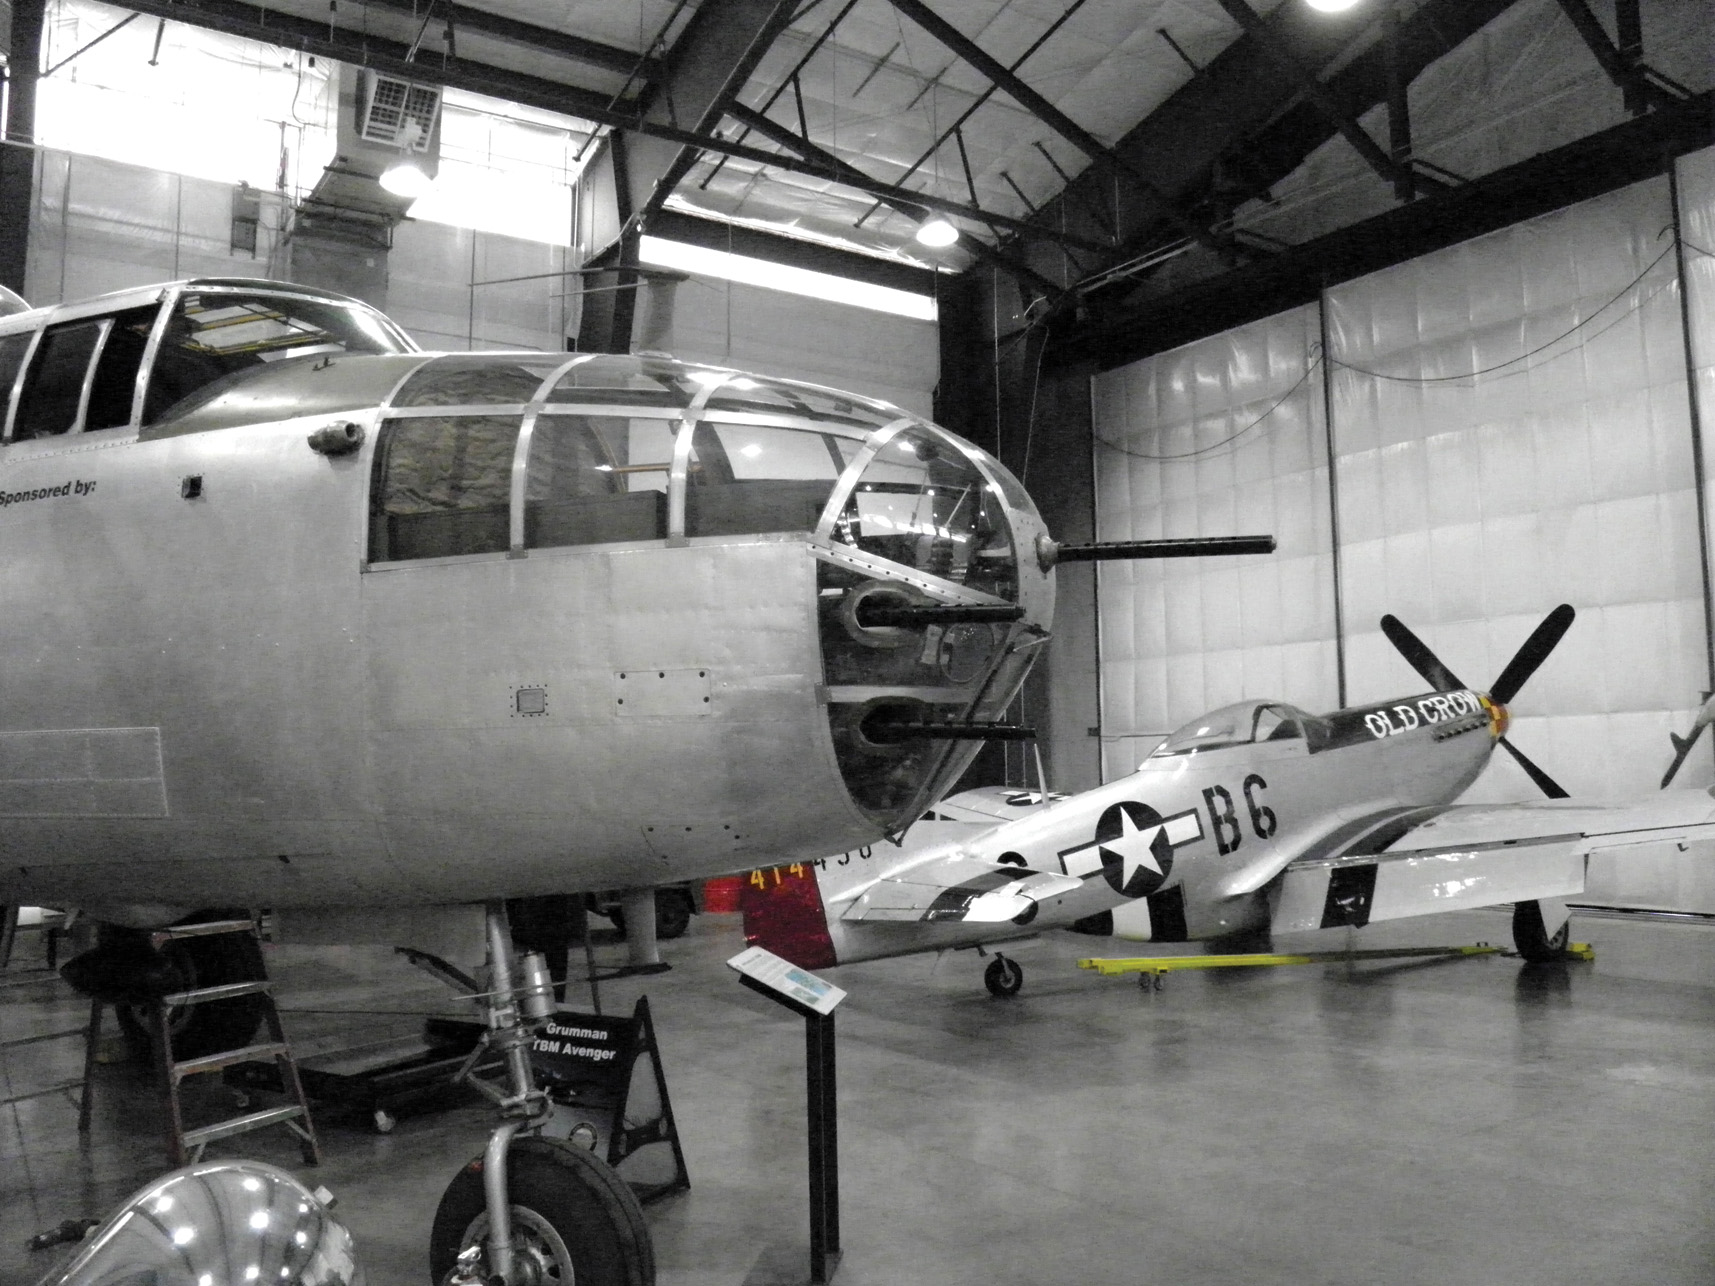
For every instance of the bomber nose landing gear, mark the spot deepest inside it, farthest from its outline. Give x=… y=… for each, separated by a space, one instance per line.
x=1003 y=977
x=532 y=1211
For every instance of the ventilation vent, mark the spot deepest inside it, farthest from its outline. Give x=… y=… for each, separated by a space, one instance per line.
x=398 y=113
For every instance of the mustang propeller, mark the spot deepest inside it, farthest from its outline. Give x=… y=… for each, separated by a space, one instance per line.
x=1535 y=651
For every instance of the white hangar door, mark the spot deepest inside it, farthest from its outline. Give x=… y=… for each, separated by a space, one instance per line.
x=1511 y=429
x=1225 y=436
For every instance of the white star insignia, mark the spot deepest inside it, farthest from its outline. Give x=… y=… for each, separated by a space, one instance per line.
x=1133 y=847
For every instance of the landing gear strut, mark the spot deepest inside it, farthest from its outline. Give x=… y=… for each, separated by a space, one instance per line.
x=532 y=1211
x=1003 y=977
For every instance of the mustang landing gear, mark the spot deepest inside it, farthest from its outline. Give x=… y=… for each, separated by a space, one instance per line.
x=1531 y=936
x=1003 y=977
x=532 y=1211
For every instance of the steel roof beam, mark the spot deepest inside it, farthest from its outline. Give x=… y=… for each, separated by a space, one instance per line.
x=1624 y=72
x=343 y=44
x=823 y=164
x=1401 y=176
x=1243 y=116
x=907 y=203
x=706 y=68
x=500 y=27
x=1054 y=118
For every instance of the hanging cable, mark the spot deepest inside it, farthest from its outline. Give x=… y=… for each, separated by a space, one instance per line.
x=1315 y=361
x=1522 y=357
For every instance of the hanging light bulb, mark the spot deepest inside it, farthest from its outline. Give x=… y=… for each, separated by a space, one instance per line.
x=937 y=231
x=1331 y=6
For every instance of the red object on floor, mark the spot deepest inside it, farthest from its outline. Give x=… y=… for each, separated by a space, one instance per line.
x=722 y=894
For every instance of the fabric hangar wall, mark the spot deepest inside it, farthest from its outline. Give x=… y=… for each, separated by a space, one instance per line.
x=1489 y=431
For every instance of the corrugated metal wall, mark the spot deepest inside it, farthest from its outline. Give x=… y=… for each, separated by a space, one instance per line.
x=1511 y=429
x=101 y=225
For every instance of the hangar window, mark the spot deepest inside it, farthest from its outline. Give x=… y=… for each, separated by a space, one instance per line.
x=754 y=478
x=597 y=479
x=441 y=486
x=216 y=334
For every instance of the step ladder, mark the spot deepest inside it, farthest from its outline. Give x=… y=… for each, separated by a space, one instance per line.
x=186 y=1146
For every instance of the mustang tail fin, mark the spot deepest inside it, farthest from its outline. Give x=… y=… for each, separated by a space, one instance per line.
x=783 y=913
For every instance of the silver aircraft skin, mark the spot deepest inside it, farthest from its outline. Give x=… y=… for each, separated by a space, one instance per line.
x=1254 y=817
x=296 y=615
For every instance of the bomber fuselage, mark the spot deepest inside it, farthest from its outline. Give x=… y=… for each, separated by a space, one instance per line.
x=350 y=624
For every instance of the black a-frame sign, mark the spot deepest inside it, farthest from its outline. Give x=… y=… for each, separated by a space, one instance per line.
x=592 y=1066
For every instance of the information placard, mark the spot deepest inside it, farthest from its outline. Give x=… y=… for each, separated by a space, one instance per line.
x=782 y=976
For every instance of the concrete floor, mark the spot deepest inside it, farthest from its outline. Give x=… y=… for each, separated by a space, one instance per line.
x=1467 y=1122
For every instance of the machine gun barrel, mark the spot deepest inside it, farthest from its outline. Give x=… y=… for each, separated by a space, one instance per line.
x=887 y=732
x=1049 y=552
x=872 y=614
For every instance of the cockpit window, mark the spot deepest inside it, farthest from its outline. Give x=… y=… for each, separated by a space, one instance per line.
x=1227 y=727
x=53 y=387
x=597 y=479
x=1237 y=725
x=215 y=334
x=925 y=505
x=754 y=478
x=1278 y=723
x=442 y=484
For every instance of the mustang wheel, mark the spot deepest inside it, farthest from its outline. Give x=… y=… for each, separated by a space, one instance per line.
x=1533 y=940
x=573 y=1220
x=1003 y=977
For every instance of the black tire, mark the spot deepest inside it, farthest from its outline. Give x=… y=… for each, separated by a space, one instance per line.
x=1532 y=938
x=673 y=911
x=574 y=1220
x=1003 y=977
x=217 y=1025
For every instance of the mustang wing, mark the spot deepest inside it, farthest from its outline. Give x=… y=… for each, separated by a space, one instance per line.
x=952 y=887
x=1473 y=856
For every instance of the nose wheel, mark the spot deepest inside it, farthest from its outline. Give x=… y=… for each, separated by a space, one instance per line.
x=1003 y=977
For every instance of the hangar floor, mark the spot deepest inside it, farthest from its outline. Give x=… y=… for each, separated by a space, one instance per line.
x=1471 y=1121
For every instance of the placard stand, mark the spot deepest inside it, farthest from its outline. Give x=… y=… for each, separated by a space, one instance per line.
x=788 y=986
x=586 y=1063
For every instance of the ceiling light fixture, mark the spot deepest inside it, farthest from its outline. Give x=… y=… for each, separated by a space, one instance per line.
x=1331 y=6
x=937 y=231
x=406 y=179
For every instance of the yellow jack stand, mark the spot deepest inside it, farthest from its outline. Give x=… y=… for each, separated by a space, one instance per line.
x=1153 y=968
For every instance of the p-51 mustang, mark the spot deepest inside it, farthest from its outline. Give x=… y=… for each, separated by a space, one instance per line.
x=1256 y=816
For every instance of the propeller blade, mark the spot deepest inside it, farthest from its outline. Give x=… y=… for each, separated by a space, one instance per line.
x=1535 y=651
x=1546 y=784
x=1418 y=656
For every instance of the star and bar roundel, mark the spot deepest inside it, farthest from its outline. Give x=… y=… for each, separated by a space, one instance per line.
x=1133 y=847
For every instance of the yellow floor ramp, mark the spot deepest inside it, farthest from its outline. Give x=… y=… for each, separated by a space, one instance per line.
x=1154 y=967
